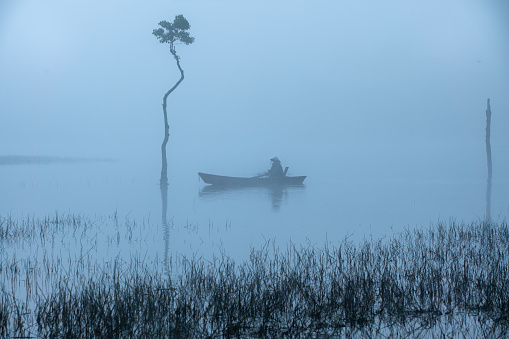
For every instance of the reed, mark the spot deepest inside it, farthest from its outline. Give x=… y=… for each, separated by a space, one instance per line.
x=30 y=228
x=448 y=279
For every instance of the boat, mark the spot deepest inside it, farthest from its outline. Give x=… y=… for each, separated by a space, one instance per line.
x=221 y=180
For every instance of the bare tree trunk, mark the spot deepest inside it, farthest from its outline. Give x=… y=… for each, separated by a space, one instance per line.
x=488 y=156
x=164 y=166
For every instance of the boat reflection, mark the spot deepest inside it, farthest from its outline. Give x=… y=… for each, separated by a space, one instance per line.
x=276 y=193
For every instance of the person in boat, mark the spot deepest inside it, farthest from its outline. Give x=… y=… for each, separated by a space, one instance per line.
x=276 y=170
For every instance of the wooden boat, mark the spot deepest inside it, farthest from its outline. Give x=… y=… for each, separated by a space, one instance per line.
x=221 y=180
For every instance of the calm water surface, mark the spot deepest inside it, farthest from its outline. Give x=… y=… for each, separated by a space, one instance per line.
x=204 y=220
x=129 y=220
x=207 y=222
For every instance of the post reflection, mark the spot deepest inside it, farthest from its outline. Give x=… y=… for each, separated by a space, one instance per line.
x=488 y=158
x=488 y=200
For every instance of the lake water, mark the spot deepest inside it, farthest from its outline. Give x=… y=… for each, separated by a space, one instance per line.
x=206 y=222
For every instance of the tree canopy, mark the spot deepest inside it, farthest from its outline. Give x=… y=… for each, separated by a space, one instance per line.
x=173 y=33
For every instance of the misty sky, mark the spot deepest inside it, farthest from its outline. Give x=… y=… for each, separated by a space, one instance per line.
x=337 y=84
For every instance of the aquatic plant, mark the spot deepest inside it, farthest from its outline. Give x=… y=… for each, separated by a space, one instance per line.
x=448 y=279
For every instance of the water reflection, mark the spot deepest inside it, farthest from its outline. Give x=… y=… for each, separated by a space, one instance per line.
x=276 y=193
x=488 y=199
x=488 y=158
x=166 y=226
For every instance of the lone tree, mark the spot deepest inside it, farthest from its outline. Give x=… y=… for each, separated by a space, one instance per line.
x=173 y=34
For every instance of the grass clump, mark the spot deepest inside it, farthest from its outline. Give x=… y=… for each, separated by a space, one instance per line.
x=451 y=279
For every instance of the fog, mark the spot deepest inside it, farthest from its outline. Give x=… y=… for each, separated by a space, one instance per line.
x=380 y=104
x=341 y=91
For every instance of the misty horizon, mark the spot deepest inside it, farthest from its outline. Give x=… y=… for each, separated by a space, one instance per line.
x=334 y=84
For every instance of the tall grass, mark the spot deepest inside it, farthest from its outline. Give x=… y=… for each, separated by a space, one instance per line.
x=450 y=279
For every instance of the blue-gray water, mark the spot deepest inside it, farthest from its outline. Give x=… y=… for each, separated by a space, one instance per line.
x=208 y=222
x=382 y=105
